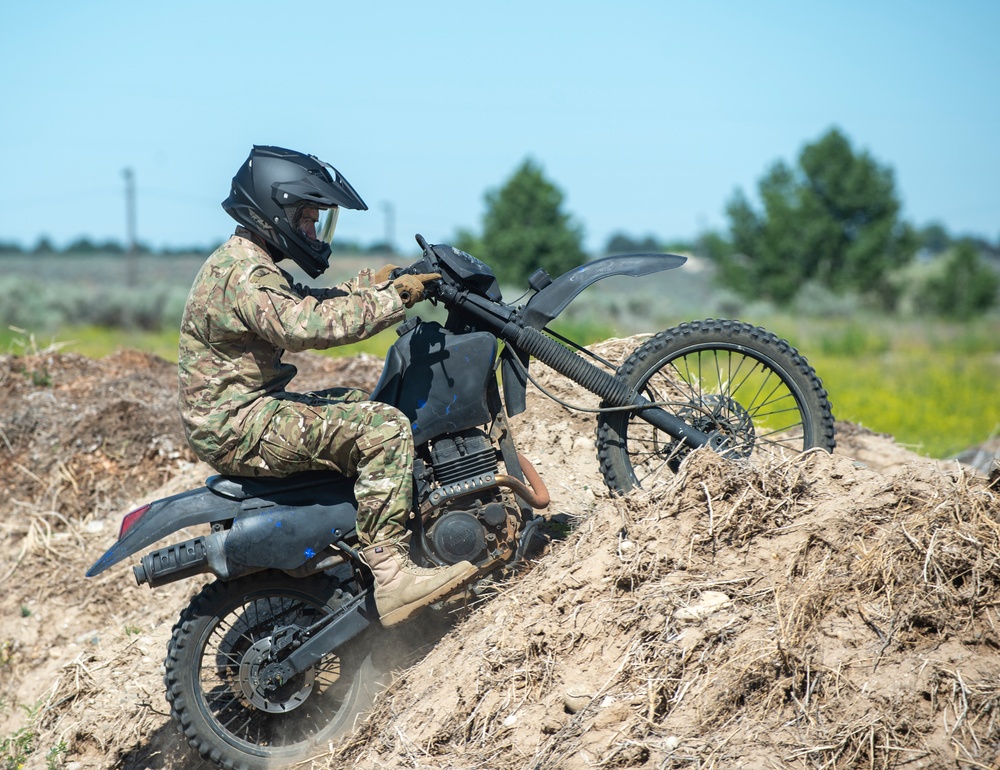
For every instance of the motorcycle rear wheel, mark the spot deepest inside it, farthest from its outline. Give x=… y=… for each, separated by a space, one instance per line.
x=223 y=638
x=743 y=382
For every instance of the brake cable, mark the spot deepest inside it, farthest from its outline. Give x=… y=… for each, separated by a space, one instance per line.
x=603 y=409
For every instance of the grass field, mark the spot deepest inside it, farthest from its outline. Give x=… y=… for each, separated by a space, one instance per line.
x=930 y=384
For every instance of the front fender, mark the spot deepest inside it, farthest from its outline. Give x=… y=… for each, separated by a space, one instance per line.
x=553 y=299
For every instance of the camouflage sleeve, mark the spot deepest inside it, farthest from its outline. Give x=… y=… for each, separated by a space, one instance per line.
x=297 y=321
x=363 y=281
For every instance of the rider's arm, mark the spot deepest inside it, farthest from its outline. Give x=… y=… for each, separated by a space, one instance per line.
x=317 y=319
x=362 y=281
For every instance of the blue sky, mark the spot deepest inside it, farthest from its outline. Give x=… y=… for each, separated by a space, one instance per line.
x=647 y=115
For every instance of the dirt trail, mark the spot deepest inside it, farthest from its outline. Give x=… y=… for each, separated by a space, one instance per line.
x=837 y=611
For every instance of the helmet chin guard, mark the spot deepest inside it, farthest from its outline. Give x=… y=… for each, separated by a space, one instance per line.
x=273 y=189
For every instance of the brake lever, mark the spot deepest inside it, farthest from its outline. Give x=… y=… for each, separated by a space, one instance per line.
x=426 y=264
x=417 y=268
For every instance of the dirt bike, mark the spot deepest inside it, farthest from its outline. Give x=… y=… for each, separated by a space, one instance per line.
x=273 y=659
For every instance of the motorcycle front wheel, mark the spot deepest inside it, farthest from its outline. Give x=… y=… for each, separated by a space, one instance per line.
x=222 y=641
x=754 y=391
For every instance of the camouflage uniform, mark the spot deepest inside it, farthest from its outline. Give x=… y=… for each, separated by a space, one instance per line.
x=243 y=312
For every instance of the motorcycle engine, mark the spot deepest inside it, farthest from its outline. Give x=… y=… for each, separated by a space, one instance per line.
x=479 y=526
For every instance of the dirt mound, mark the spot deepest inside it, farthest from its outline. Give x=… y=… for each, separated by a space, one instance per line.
x=814 y=614
x=836 y=611
x=82 y=435
x=87 y=436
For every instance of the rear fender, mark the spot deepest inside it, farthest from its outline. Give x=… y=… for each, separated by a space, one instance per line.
x=162 y=518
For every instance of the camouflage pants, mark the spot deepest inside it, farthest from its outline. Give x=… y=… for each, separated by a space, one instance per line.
x=340 y=430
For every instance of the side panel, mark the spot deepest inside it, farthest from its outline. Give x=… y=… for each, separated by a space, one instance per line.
x=275 y=529
x=285 y=537
x=438 y=379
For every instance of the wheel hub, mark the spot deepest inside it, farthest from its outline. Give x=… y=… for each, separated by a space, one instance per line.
x=274 y=700
x=728 y=424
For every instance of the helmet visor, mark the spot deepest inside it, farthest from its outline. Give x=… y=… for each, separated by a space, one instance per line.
x=315 y=224
x=327 y=224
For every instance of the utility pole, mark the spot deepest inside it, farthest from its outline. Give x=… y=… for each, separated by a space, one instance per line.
x=390 y=226
x=130 y=254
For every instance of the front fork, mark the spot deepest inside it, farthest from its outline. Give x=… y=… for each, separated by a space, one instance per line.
x=607 y=386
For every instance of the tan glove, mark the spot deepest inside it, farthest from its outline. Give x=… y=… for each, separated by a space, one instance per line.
x=410 y=288
x=382 y=274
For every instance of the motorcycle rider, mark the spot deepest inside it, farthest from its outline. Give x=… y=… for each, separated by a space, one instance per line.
x=243 y=312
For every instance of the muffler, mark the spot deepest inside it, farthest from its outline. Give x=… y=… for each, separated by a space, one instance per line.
x=179 y=561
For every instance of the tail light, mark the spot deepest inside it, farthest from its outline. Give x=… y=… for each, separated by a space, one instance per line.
x=131 y=519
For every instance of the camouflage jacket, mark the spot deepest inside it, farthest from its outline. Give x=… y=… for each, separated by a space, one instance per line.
x=241 y=315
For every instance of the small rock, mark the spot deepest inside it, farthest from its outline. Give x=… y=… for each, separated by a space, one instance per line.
x=91 y=637
x=549 y=726
x=711 y=602
x=575 y=703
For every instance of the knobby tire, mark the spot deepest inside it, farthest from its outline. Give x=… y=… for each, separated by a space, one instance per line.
x=741 y=381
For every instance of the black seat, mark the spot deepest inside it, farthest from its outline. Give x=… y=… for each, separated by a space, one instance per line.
x=245 y=487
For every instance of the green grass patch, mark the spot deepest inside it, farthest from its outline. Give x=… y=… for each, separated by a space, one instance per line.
x=99 y=341
x=585 y=331
x=936 y=402
x=90 y=341
x=931 y=384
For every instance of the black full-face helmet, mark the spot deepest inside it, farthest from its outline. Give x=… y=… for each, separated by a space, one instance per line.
x=291 y=200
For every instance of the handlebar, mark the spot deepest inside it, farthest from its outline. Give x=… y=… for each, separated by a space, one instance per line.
x=426 y=264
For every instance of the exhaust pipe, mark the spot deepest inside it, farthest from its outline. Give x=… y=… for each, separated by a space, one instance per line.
x=175 y=562
x=192 y=557
x=205 y=554
x=536 y=495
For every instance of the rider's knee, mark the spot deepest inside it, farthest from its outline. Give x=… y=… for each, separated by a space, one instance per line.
x=386 y=427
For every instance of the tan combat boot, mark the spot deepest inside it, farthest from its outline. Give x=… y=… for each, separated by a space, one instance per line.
x=402 y=588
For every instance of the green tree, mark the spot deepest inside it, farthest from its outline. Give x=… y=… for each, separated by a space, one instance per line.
x=621 y=243
x=44 y=246
x=525 y=228
x=963 y=287
x=933 y=238
x=81 y=245
x=833 y=220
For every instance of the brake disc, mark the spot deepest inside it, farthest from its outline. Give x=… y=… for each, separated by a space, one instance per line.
x=274 y=700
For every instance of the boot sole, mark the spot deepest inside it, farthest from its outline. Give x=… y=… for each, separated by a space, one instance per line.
x=400 y=614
